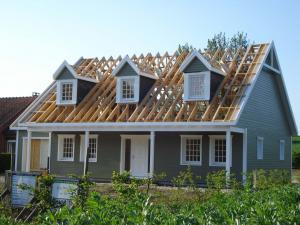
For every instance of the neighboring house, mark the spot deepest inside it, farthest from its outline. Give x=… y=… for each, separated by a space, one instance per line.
x=10 y=109
x=161 y=113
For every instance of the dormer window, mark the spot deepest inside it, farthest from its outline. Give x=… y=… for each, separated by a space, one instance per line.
x=128 y=89
x=197 y=86
x=66 y=92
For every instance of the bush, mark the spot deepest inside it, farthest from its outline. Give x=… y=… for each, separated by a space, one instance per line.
x=296 y=160
x=5 y=162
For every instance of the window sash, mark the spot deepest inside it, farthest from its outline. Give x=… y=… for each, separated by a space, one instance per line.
x=217 y=150
x=67 y=91
x=197 y=86
x=191 y=150
x=66 y=146
x=93 y=147
x=282 y=149
x=260 y=147
x=127 y=89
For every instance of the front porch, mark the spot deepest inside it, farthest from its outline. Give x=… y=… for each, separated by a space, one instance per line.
x=140 y=152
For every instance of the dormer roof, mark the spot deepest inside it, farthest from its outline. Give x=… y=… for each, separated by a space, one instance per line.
x=136 y=67
x=66 y=66
x=196 y=55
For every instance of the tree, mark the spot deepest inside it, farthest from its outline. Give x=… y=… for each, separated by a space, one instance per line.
x=240 y=39
x=185 y=47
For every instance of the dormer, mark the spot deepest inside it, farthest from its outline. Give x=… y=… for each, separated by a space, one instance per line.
x=132 y=82
x=201 y=79
x=70 y=87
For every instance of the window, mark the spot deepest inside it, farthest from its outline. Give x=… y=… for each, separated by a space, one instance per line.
x=191 y=150
x=92 y=150
x=260 y=147
x=66 y=145
x=128 y=89
x=66 y=92
x=217 y=150
x=197 y=86
x=281 y=149
x=11 y=146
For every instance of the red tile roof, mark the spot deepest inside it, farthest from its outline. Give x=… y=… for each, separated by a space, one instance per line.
x=11 y=108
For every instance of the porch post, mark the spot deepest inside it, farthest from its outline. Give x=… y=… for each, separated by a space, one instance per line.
x=245 y=152
x=17 y=151
x=86 y=146
x=228 y=154
x=49 y=151
x=28 y=160
x=152 y=144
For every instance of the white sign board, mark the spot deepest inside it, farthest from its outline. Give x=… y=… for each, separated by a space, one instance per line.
x=63 y=189
x=22 y=197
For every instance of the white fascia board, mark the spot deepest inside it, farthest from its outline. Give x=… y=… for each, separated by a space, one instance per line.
x=148 y=75
x=131 y=126
x=32 y=106
x=196 y=54
x=65 y=64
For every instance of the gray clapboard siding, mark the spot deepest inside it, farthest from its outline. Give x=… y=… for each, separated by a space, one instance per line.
x=65 y=75
x=126 y=70
x=168 y=150
x=195 y=66
x=264 y=116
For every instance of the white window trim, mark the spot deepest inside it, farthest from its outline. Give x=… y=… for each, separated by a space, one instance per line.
x=183 y=148
x=119 y=98
x=82 y=147
x=281 y=151
x=187 y=85
x=60 y=147
x=60 y=83
x=211 y=149
x=7 y=143
x=262 y=153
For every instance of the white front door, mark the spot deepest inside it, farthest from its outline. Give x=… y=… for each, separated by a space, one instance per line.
x=139 y=156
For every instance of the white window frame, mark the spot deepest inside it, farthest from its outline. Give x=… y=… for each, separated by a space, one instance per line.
x=60 y=147
x=260 y=149
x=59 y=89
x=183 y=150
x=187 y=85
x=212 y=149
x=281 y=149
x=119 y=97
x=8 y=142
x=82 y=147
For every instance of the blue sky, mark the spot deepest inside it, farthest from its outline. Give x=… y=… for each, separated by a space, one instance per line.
x=36 y=36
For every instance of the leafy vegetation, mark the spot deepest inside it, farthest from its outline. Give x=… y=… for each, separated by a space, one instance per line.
x=296 y=152
x=267 y=198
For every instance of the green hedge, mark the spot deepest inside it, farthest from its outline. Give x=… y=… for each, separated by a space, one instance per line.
x=5 y=162
x=296 y=152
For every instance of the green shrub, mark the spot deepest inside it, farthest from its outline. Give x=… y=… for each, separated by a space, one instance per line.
x=5 y=162
x=263 y=179
x=186 y=178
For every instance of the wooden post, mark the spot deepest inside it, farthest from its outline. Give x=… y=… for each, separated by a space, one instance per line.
x=86 y=147
x=28 y=159
x=17 y=151
x=245 y=152
x=152 y=148
x=49 y=152
x=228 y=154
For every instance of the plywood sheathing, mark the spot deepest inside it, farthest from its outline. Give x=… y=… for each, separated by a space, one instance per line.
x=164 y=101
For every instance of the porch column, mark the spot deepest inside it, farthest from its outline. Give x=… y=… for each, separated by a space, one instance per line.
x=17 y=151
x=49 y=151
x=86 y=146
x=28 y=159
x=245 y=152
x=228 y=154
x=152 y=144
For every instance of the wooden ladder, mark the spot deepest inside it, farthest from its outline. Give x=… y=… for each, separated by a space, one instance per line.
x=236 y=85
